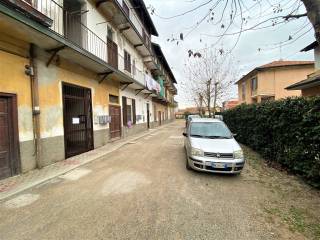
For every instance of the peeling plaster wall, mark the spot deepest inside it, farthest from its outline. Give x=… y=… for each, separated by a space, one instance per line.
x=13 y=80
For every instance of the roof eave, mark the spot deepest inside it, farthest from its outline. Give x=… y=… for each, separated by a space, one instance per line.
x=150 y=23
x=305 y=84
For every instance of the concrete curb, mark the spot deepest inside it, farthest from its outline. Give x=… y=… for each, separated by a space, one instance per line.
x=91 y=156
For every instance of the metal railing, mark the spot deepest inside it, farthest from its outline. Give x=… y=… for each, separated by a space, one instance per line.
x=138 y=25
x=70 y=26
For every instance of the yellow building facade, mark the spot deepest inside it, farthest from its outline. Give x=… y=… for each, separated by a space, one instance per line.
x=269 y=82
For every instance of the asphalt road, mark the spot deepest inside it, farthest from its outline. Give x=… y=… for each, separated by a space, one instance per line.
x=141 y=191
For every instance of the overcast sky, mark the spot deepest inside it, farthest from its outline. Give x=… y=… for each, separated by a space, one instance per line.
x=246 y=51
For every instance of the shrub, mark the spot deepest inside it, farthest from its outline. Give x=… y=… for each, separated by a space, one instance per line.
x=286 y=132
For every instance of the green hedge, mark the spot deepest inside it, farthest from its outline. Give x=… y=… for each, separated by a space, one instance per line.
x=286 y=132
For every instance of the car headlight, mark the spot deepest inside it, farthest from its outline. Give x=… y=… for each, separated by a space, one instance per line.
x=196 y=152
x=238 y=154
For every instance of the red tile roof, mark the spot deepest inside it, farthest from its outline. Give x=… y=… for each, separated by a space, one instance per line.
x=285 y=63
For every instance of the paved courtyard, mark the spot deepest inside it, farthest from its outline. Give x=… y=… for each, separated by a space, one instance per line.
x=143 y=191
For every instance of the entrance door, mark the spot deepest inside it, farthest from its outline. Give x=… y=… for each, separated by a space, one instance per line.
x=73 y=29
x=148 y=115
x=115 y=125
x=159 y=116
x=77 y=120
x=9 y=140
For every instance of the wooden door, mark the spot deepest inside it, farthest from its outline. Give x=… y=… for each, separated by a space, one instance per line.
x=77 y=120
x=9 y=148
x=112 y=53
x=115 y=124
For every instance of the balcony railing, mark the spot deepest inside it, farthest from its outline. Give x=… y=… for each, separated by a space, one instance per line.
x=68 y=24
x=138 y=25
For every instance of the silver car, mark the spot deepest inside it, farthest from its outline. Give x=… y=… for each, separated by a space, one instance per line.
x=211 y=147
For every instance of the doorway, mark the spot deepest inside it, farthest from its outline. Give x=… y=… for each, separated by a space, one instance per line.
x=9 y=143
x=115 y=124
x=73 y=17
x=148 y=115
x=159 y=116
x=77 y=120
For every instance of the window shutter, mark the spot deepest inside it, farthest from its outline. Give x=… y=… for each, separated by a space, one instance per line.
x=124 y=111
x=129 y=63
x=134 y=117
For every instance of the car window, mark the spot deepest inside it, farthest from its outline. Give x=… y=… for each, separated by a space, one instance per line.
x=210 y=130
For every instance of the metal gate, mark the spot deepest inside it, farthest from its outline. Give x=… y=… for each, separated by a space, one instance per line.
x=77 y=120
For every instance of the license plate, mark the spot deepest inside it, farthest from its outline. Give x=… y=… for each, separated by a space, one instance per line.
x=219 y=165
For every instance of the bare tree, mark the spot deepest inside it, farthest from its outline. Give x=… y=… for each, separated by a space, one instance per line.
x=210 y=78
x=234 y=17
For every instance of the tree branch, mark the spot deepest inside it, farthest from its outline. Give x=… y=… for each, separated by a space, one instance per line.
x=294 y=16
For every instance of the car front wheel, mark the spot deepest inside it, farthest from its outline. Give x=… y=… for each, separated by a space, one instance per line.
x=187 y=163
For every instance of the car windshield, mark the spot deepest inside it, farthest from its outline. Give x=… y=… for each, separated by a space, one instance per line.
x=215 y=130
x=193 y=117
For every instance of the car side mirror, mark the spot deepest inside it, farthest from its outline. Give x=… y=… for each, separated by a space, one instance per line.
x=184 y=134
x=234 y=134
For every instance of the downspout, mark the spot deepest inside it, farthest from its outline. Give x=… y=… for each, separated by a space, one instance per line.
x=35 y=104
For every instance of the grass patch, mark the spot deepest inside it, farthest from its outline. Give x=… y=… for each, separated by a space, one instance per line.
x=297 y=220
x=254 y=159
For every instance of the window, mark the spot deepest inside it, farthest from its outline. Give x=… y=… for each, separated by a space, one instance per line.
x=113 y=99
x=254 y=85
x=129 y=111
x=109 y=33
x=126 y=8
x=127 y=61
x=267 y=99
x=145 y=38
x=243 y=91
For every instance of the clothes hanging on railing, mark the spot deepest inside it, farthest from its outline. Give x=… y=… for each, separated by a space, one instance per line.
x=152 y=84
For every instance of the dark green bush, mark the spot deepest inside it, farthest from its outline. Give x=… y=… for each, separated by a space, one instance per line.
x=286 y=132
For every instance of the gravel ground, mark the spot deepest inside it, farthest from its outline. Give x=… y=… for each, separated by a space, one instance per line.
x=143 y=191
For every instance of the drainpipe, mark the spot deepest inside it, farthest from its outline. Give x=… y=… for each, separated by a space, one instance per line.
x=33 y=73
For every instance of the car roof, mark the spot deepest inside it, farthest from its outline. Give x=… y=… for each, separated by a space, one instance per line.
x=205 y=120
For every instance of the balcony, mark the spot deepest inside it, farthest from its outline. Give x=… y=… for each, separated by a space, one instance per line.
x=60 y=30
x=129 y=24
